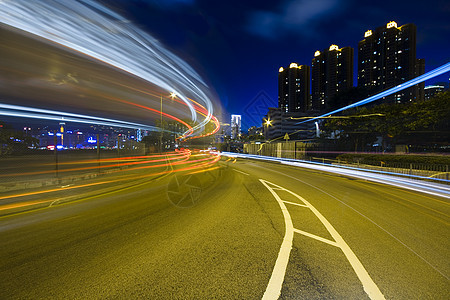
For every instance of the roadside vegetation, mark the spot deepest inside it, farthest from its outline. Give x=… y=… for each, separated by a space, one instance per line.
x=13 y=142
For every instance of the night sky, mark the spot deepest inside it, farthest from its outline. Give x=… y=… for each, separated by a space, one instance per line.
x=238 y=46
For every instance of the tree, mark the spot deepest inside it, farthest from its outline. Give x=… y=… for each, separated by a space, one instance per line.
x=15 y=142
x=152 y=141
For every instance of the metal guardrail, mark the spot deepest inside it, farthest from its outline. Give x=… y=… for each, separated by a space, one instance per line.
x=437 y=187
x=419 y=171
x=430 y=171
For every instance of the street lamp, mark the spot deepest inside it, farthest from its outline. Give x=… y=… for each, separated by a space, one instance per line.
x=267 y=123
x=172 y=95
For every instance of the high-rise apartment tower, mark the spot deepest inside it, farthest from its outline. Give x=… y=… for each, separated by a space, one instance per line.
x=293 y=88
x=387 y=58
x=332 y=72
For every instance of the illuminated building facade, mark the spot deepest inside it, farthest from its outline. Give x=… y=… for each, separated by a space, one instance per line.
x=332 y=72
x=293 y=88
x=387 y=58
x=277 y=123
x=431 y=90
x=271 y=123
x=235 y=126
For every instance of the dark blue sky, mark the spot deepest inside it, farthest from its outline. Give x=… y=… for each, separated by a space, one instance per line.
x=238 y=46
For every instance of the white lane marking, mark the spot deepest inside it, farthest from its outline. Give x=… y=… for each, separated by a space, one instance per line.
x=316 y=237
x=293 y=203
x=367 y=218
x=439 y=190
x=364 y=216
x=274 y=290
x=54 y=201
x=241 y=172
x=64 y=186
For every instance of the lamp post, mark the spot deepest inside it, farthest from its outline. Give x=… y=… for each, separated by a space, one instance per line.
x=172 y=95
x=267 y=123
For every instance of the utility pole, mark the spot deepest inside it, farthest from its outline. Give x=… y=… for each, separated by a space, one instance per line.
x=118 y=150
x=98 y=152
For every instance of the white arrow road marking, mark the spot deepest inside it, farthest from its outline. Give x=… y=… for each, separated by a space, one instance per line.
x=273 y=289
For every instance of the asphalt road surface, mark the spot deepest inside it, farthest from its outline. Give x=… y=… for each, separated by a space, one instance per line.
x=218 y=234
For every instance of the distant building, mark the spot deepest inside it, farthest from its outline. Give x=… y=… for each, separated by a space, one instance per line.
x=272 y=123
x=61 y=133
x=277 y=123
x=332 y=72
x=224 y=132
x=387 y=58
x=235 y=126
x=431 y=90
x=293 y=88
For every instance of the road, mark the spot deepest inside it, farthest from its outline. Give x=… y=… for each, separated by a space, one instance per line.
x=223 y=241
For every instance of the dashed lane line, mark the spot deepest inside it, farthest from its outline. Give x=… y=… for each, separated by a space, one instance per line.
x=241 y=172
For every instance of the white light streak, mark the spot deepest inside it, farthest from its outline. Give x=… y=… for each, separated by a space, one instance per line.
x=45 y=114
x=431 y=188
x=94 y=30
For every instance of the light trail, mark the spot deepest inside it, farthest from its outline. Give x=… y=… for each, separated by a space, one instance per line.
x=207 y=165
x=190 y=129
x=114 y=163
x=390 y=178
x=197 y=164
x=117 y=162
x=201 y=110
x=88 y=27
x=115 y=159
x=340 y=117
x=45 y=114
x=436 y=72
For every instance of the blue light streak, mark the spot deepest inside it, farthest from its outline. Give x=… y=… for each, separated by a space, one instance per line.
x=436 y=72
